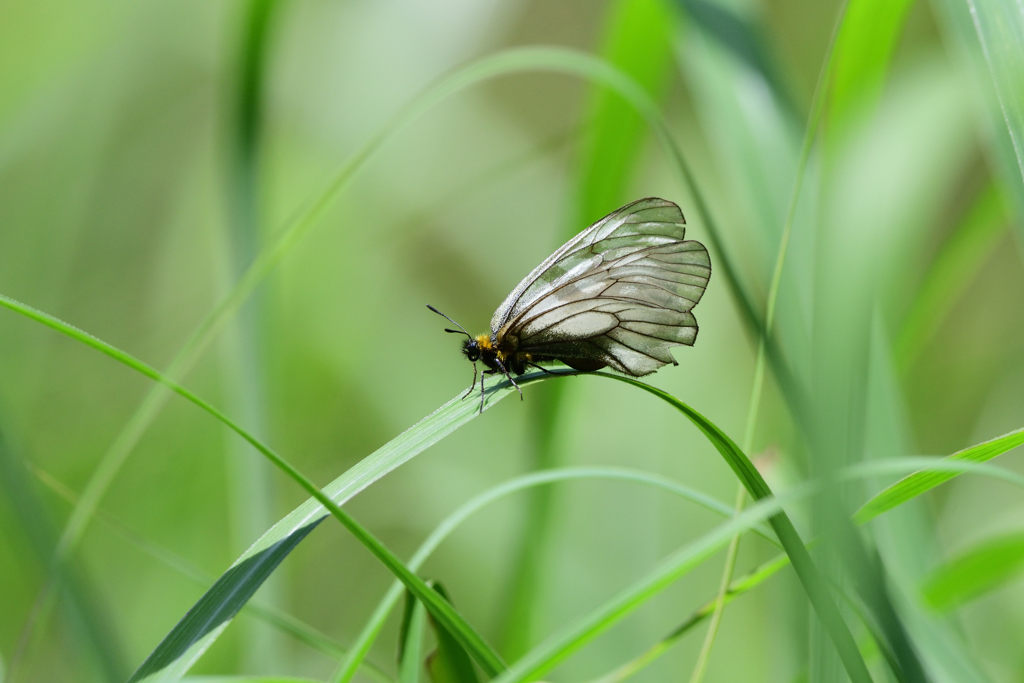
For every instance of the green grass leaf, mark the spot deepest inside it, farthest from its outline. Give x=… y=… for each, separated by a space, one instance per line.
x=373 y=627
x=975 y=572
x=638 y=43
x=955 y=266
x=568 y=640
x=410 y=641
x=1000 y=28
x=213 y=612
x=864 y=49
x=915 y=484
x=449 y=663
x=813 y=583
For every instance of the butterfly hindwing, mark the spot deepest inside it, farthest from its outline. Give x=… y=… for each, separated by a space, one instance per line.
x=620 y=292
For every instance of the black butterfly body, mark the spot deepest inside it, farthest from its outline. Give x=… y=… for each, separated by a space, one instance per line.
x=619 y=295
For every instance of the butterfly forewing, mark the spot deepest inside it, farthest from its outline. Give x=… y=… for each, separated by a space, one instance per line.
x=618 y=293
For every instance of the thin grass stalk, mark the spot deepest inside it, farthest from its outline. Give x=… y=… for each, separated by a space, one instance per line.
x=529 y=481
x=93 y=639
x=814 y=584
x=438 y=607
x=250 y=484
x=873 y=468
x=273 y=616
x=757 y=388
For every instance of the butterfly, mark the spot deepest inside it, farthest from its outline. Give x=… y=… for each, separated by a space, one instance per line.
x=618 y=295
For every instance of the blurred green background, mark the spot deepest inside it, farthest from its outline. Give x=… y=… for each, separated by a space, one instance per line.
x=148 y=150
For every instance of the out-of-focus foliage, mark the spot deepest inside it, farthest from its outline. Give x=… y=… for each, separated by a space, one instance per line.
x=143 y=143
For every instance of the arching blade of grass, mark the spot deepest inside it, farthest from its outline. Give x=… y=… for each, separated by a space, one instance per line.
x=960 y=259
x=1000 y=28
x=917 y=483
x=565 y=642
x=223 y=601
x=812 y=581
x=373 y=627
x=273 y=616
x=870 y=33
x=736 y=588
x=410 y=641
x=983 y=568
x=763 y=572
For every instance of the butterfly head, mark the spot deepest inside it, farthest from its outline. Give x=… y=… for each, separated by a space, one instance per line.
x=476 y=348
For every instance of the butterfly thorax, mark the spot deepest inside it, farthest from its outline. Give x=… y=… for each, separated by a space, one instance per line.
x=496 y=352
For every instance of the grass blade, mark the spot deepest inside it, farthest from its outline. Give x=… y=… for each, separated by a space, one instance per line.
x=915 y=484
x=958 y=261
x=223 y=601
x=975 y=572
x=410 y=641
x=814 y=585
x=560 y=646
x=449 y=663
x=373 y=627
x=864 y=49
x=1000 y=28
x=250 y=487
x=765 y=571
x=737 y=588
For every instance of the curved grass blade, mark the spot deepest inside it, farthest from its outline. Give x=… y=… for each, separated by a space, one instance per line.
x=738 y=587
x=560 y=646
x=212 y=613
x=814 y=585
x=361 y=647
x=449 y=663
x=759 y=575
x=283 y=621
x=915 y=484
x=977 y=571
x=961 y=257
x=410 y=641
x=1000 y=28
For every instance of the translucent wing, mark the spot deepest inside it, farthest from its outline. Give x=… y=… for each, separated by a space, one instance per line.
x=620 y=292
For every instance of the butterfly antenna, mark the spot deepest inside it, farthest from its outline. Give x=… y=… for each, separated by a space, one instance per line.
x=451 y=321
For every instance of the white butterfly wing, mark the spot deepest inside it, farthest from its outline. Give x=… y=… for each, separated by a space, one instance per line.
x=619 y=292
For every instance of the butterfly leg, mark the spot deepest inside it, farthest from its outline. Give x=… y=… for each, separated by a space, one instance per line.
x=544 y=370
x=471 y=386
x=500 y=365
x=485 y=372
